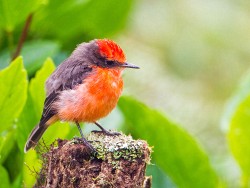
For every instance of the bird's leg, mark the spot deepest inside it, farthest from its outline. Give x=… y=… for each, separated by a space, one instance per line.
x=106 y=131
x=86 y=143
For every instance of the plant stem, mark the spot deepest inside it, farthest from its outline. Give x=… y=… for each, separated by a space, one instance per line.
x=23 y=36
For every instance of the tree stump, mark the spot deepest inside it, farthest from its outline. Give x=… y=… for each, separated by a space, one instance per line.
x=120 y=161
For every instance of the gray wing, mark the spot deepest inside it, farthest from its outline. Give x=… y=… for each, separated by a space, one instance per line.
x=66 y=76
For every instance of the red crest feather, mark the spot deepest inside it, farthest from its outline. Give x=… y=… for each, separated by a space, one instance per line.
x=111 y=50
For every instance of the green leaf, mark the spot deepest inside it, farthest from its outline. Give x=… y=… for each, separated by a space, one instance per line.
x=175 y=151
x=236 y=121
x=6 y=143
x=239 y=137
x=14 y=163
x=13 y=12
x=34 y=54
x=4 y=177
x=55 y=131
x=159 y=177
x=18 y=181
x=241 y=93
x=32 y=165
x=13 y=87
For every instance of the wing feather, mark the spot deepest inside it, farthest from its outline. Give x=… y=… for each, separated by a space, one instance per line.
x=64 y=78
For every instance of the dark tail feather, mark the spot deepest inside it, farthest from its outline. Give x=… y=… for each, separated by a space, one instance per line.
x=35 y=136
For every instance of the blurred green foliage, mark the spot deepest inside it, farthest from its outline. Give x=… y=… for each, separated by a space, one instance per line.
x=14 y=12
x=237 y=117
x=13 y=83
x=179 y=160
x=188 y=165
x=34 y=53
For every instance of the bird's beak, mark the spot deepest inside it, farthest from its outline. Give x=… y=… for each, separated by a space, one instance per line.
x=128 y=65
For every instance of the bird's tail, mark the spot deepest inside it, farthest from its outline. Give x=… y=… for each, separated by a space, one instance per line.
x=35 y=136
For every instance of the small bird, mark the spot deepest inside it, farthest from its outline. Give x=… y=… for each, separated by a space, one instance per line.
x=84 y=88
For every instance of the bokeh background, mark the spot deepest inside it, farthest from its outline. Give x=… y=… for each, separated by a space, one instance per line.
x=192 y=55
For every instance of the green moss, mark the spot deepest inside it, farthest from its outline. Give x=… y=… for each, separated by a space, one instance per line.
x=113 y=148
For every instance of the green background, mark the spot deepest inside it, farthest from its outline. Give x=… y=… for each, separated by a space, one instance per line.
x=190 y=100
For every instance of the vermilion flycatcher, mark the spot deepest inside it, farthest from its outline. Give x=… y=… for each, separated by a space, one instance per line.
x=84 y=88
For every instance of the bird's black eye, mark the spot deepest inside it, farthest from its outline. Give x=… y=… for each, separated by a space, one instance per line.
x=110 y=63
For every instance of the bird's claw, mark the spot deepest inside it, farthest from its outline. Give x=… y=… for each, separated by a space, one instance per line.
x=89 y=147
x=109 y=133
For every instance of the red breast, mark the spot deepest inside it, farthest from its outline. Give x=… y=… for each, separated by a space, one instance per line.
x=93 y=99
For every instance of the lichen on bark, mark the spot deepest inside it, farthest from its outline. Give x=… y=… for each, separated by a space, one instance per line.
x=119 y=161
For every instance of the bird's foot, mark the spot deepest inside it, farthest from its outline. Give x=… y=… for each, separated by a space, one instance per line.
x=90 y=148
x=85 y=142
x=106 y=132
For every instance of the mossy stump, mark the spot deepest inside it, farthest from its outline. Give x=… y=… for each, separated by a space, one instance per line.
x=120 y=161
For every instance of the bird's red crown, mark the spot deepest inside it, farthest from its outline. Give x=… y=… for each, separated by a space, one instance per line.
x=111 y=50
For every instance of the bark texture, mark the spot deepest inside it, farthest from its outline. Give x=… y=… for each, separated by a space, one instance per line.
x=120 y=161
